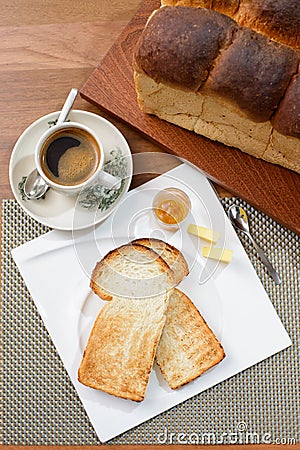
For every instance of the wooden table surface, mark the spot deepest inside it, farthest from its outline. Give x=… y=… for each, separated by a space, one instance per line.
x=46 y=48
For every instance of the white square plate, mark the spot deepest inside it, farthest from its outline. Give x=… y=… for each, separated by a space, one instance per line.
x=56 y=268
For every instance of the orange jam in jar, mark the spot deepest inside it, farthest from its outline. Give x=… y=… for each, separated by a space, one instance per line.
x=171 y=206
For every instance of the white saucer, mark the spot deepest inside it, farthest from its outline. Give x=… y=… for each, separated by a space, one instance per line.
x=59 y=211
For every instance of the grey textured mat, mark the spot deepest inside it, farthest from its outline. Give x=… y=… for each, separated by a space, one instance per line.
x=41 y=407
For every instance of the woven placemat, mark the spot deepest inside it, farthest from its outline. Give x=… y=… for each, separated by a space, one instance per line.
x=40 y=405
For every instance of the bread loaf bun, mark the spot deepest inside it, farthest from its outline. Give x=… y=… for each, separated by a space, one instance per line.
x=276 y=19
x=287 y=117
x=200 y=70
x=252 y=74
x=175 y=38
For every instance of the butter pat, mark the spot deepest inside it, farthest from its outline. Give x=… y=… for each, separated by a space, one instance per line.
x=220 y=254
x=204 y=233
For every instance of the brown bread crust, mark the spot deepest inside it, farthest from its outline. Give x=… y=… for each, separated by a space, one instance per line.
x=287 y=117
x=179 y=45
x=228 y=7
x=253 y=73
x=276 y=19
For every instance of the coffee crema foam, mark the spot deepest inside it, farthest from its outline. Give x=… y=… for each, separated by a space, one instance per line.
x=76 y=165
x=70 y=156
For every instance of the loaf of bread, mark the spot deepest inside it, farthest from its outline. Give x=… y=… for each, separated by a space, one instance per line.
x=121 y=348
x=133 y=271
x=276 y=19
x=199 y=69
x=187 y=346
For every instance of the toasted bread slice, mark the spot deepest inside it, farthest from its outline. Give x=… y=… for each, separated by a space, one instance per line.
x=121 y=348
x=132 y=271
x=173 y=257
x=187 y=346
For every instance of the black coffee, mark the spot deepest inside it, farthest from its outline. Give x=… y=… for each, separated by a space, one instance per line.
x=70 y=156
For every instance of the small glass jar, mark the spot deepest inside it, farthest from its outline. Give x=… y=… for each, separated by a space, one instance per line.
x=170 y=207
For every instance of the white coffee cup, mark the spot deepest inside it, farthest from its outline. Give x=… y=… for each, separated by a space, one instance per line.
x=70 y=158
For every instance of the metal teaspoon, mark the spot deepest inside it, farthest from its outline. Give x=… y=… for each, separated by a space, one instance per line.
x=35 y=186
x=240 y=221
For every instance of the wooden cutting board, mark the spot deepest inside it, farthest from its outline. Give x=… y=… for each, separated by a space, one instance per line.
x=271 y=188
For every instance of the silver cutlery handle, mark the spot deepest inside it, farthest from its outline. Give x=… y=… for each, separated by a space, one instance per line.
x=266 y=262
x=67 y=106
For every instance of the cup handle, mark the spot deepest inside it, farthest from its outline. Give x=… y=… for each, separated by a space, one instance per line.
x=109 y=181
